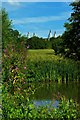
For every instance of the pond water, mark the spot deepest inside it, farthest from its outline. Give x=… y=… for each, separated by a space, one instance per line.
x=46 y=93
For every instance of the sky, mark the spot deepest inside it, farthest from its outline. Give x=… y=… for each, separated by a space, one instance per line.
x=38 y=17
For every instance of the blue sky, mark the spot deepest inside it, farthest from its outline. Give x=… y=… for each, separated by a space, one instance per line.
x=38 y=17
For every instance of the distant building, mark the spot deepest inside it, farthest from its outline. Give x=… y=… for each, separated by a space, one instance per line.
x=49 y=35
x=28 y=35
x=54 y=34
x=34 y=34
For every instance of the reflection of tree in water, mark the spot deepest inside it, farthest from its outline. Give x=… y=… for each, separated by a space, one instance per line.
x=53 y=91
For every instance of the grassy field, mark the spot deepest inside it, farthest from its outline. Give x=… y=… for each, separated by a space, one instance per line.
x=43 y=55
x=45 y=65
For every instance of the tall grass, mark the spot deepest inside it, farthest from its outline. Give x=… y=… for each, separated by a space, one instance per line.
x=44 y=65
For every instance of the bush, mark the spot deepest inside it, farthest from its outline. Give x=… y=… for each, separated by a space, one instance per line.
x=57 y=45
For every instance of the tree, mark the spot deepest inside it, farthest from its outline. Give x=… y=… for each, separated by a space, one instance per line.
x=57 y=44
x=10 y=36
x=38 y=43
x=71 y=36
x=6 y=26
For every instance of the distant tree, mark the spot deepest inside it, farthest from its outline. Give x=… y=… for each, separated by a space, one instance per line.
x=16 y=34
x=52 y=39
x=32 y=42
x=38 y=43
x=71 y=36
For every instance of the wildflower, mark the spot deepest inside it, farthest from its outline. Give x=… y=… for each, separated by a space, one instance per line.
x=24 y=67
x=16 y=68
x=5 y=50
x=24 y=82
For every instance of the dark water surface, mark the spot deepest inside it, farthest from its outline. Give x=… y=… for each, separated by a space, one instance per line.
x=46 y=93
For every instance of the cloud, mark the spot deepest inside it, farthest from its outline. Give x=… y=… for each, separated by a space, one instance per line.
x=11 y=5
x=39 y=19
x=14 y=2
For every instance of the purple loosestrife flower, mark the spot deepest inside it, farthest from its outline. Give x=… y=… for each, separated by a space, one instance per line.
x=16 y=68
x=5 y=50
x=24 y=82
x=24 y=67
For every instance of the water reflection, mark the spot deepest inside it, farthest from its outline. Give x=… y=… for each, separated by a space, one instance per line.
x=45 y=103
x=51 y=92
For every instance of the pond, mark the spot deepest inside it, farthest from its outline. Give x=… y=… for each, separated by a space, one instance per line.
x=46 y=93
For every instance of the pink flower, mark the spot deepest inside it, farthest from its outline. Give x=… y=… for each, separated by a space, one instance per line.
x=24 y=82
x=16 y=68
x=5 y=50
x=24 y=67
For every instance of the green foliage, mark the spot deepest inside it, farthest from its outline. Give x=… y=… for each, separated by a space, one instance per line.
x=38 y=43
x=14 y=65
x=16 y=93
x=57 y=44
x=71 y=36
x=10 y=36
x=14 y=81
x=6 y=26
x=18 y=106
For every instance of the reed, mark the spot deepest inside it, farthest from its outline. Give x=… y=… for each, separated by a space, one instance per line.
x=44 y=65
